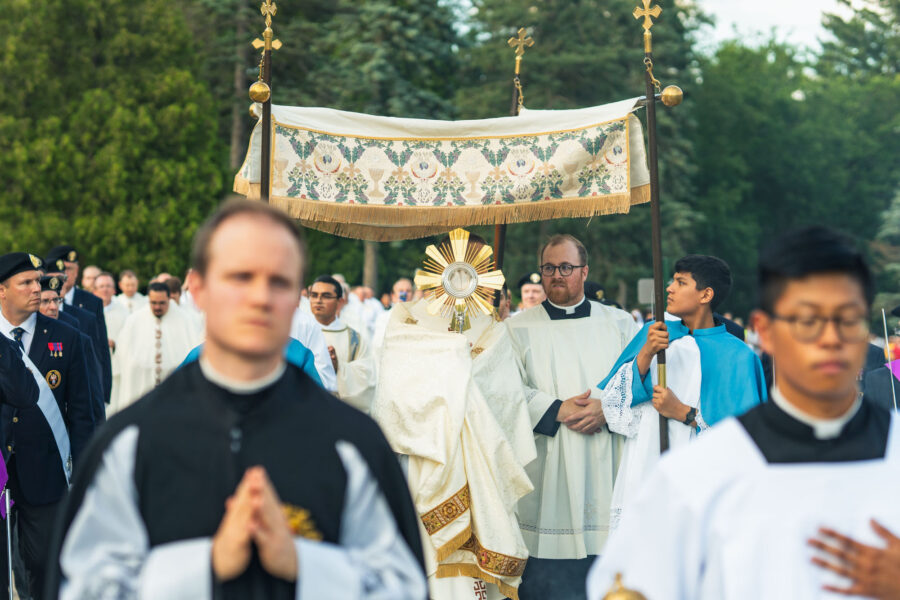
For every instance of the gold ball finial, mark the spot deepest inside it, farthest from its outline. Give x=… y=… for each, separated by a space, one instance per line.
x=620 y=592
x=672 y=95
x=260 y=92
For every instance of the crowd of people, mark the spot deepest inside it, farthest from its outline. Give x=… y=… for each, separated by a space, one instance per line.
x=271 y=439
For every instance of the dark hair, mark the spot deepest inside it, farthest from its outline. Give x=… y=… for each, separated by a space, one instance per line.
x=158 y=286
x=562 y=238
x=809 y=251
x=338 y=288
x=174 y=285
x=235 y=208
x=708 y=272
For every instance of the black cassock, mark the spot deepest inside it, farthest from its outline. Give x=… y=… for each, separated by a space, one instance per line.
x=151 y=493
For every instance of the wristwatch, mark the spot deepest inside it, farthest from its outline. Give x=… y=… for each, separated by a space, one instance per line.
x=691 y=415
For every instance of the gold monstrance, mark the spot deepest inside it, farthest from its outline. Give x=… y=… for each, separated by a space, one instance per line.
x=458 y=278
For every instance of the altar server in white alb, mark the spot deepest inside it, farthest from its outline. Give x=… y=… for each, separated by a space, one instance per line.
x=732 y=515
x=239 y=477
x=452 y=405
x=566 y=346
x=351 y=356
x=710 y=375
x=153 y=341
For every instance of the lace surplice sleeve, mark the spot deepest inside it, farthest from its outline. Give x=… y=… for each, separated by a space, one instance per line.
x=617 y=399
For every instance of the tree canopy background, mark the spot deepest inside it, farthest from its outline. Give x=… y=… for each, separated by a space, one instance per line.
x=123 y=122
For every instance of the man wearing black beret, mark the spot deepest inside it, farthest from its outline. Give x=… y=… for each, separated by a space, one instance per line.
x=531 y=291
x=40 y=443
x=77 y=297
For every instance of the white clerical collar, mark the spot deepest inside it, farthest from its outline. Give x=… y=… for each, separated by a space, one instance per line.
x=29 y=325
x=70 y=296
x=240 y=387
x=823 y=429
x=336 y=325
x=568 y=309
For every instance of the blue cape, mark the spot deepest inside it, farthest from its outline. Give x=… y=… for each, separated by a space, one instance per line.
x=295 y=353
x=732 y=382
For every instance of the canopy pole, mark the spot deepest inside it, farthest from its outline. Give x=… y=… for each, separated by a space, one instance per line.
x=671 y=97
x=518 y=97
x=261 y=91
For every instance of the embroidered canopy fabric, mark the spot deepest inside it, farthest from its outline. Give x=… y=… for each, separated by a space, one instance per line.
x=385 y=178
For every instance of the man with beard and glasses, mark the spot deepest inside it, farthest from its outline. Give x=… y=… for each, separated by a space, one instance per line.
x=566 y=345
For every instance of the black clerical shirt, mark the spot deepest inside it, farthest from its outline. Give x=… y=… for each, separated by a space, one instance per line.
x=783 y=439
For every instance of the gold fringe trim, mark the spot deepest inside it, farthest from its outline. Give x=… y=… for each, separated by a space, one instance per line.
x=444 y=552
x=388 y=223
x=468 y=570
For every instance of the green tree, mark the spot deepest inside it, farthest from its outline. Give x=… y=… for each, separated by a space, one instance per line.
x=110 y=142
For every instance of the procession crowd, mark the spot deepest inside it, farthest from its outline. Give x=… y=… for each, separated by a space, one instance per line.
x=270 y=439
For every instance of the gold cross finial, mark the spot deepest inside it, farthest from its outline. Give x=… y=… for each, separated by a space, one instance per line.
x=520 y=42
x=646 y=13
x=268 y=10
x=258 y=43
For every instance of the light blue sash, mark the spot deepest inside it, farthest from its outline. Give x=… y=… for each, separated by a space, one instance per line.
x=47 y=404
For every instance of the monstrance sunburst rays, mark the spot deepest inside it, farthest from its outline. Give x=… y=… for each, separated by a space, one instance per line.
x=459 y=276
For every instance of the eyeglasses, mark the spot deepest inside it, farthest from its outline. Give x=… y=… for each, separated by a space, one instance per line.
x=807 y=329
x=49 y=301
x=325 y=296
x=565 y=269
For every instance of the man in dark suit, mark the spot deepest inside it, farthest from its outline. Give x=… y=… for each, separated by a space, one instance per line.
x=75 y=296
x=51 y=305
x=40 y=443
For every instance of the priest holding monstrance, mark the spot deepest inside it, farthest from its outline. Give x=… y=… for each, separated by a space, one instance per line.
x=451 y=403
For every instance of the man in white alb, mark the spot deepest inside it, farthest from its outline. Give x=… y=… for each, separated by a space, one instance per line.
x=152 y=343
x=130 y=297
x=566 y=345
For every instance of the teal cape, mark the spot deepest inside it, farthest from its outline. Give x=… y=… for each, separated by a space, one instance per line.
x=732 y=376
x=295 y=353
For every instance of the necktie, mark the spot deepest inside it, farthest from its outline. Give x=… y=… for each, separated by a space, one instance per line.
x=17 y=333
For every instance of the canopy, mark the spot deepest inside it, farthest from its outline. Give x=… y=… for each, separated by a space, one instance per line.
x=386 y=178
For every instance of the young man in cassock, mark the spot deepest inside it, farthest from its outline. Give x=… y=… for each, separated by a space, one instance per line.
x=728 y=516
x=565 y=346
x=710 y=375
x=351 y=355
x=238 y=477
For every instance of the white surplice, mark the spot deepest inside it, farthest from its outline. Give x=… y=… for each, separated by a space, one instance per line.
x=465 y=462
x=716 y=521
x=356 y=366
x=567 y=516
x=147 y=350
x=640 y=424
x=132 y=303
x=305 y=329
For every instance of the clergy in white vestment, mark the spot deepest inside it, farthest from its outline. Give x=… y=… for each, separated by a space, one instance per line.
x=738 y=514
x=152 y=343
x=351 y=357
x=402 y=291
x=566 y=346
x=306 y=330
x=710 y=375
x=130 y=297
x=114 y=313
x=452 y=405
